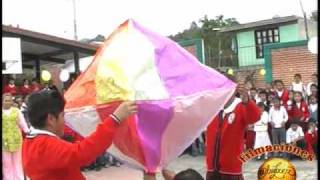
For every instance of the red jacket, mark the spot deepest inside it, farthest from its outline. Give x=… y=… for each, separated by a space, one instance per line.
x=51 y=158
x=36 y=87
x=302 y=112
x=12 y=90
x=311 y=139
x=76 y=137
x=284 y=97
x=25 y=90
x=225 y=153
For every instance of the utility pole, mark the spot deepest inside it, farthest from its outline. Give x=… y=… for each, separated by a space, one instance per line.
x=74 y=20
x=305 y=20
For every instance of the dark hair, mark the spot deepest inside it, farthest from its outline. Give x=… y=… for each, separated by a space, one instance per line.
x=253 y=89
x=315 y=74
x=295 y=120
x=41 y=104
x=278 y=81
x=298 y=92
x=298 y=75
x=276 y=98
x=314 y=85
x=261 y=104
x=263 y=92
x=188 y=174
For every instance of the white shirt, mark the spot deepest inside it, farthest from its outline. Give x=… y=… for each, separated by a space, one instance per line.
x=298 y=87
x=278 y=116
x=298 y=105
x=313 y=107
x=279 y=93
x=292 y=135
x=309 y=88
x=262 y=124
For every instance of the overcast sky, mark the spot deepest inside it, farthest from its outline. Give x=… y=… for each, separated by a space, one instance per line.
x=166 y=17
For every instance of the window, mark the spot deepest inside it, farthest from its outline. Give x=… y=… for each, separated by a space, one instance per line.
x=265 y=36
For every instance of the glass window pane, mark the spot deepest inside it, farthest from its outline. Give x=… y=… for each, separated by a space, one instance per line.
x=275 y=31
x=276 y=38
x=270 y=39
x=258 y=34
x=259 y=41
x=260 y=54
x=264 y=40
x=270 y=33
x=264 y=33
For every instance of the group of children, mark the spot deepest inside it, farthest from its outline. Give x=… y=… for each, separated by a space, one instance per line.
x=288 y=116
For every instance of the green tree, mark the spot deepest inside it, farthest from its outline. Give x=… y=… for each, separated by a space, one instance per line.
x=208 y=30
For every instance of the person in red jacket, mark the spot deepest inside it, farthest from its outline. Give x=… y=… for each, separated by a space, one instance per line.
x=35 y=86
x=11 y=88
x=300 y=110
x=225 y=137
x=281 y=92
x=46 y=156
x=311 y=137
x=26 y=88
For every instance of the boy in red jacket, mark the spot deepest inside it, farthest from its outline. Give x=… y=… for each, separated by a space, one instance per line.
x=311 y=137
x=46 y=156
x=11 y=88
x=281 y=92
x=26 y=88
x=225 y=137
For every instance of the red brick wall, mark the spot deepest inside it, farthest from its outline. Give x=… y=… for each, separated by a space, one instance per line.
x=288 y=61
x=258 y=79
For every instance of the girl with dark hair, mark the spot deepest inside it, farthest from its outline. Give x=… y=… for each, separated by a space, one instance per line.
x=26 y=88
x=12 y=122
x=11 y=88
x=300 y=110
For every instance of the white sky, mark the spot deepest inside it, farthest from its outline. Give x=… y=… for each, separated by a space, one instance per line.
x=166 y=17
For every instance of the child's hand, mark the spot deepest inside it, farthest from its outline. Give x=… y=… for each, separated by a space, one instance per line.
x=125 y=109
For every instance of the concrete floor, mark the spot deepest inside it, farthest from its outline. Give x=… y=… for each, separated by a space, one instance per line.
x=305 y=170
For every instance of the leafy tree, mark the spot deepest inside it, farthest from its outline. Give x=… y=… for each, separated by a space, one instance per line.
x=208 y=30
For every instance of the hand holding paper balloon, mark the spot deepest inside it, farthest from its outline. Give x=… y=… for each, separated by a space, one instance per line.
x=176 y=95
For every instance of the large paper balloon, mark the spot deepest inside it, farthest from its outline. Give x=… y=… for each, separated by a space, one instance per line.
x=64 y=75
x=313 y=45
x=177 y=96
x=45 y=75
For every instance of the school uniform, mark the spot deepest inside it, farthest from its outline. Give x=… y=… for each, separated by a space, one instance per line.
x=46 y=156
x=25 y=90
x=301 y=111
x=283 y=96
x=12 y=89
x=278 y=117
x=12 y=123
x=225 y=142
x=311 y=139
x=313 y=111
x=261 y=129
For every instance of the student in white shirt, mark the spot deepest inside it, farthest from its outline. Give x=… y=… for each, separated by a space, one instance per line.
x=278 y=117
x=314 y=80
x=313 y=108
x=295 y=135
x=297 y=84
x=261 y=129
